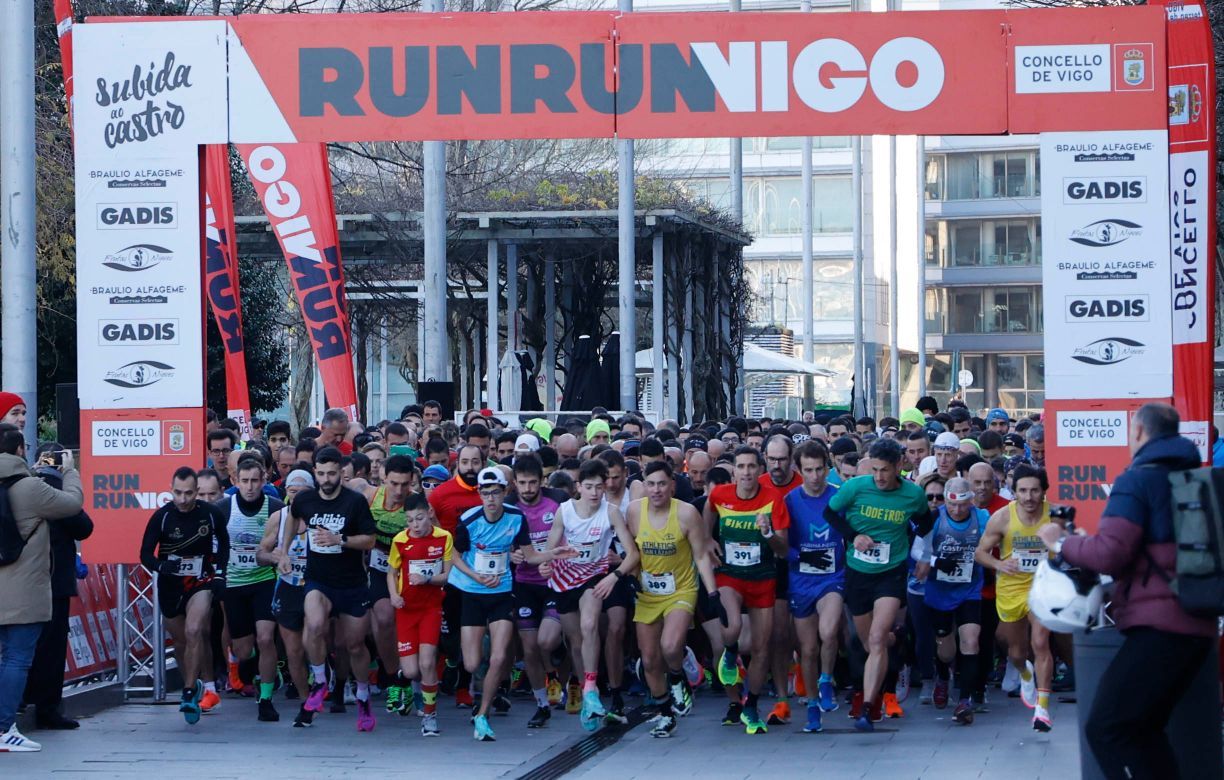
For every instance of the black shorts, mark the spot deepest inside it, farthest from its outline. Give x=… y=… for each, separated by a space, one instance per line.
x=354 y=602
x=782 y=579
x=533 y=603
x=173 y=593
x=862 y=590
x=378 y=586
x=246 y=605
x=966 y=613
x=567 y=601
x=623 y=594
x=481 y=609
x=289 y=606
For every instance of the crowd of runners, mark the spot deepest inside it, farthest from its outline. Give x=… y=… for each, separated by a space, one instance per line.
x=831 y=563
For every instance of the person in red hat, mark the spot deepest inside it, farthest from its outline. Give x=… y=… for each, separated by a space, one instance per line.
x=12 y=409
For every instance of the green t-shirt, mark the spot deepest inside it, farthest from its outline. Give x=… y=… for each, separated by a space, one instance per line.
x=883 y=515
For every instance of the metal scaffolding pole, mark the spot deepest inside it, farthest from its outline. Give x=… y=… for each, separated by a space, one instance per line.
x=856 y=198
x=491 y=360
x=550 y=329
x=657 y=316
x=894 y=360
x=809 y=271
x=17 y=257
x=737 y=212
x=921 y=252
x=512 y=305
x=627 y=293
x=436 y=359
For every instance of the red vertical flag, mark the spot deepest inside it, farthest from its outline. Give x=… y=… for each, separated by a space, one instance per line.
x=293 y=183
x=222 y=282
x=63 y=28
x=1192 y=208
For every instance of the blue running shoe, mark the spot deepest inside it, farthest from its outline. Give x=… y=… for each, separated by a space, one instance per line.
x=190 y=707
x=593 y=712
x=813 y=725
x=828 y=697
x=481 y=730
x=863 y=722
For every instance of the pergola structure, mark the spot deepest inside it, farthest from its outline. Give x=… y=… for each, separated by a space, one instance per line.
x=557 y=269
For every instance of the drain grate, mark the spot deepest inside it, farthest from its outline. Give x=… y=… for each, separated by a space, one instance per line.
x=573 y=756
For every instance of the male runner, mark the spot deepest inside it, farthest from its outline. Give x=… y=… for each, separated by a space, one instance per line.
x=749 y=521
x=539 y=625
x=186 y=544
x=250 y=583
x=340 y=530
x=1013 y=529
x=484 y=539
x=419 y=564
x=817 y=562
x=674 y=545
x=781 y=475
x=953 y=592
x=584 y=580
x=877 y=513
x=289 y=598
x=617 y=605
x=387 y=507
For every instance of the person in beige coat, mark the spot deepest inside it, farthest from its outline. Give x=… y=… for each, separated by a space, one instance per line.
x=25 y=584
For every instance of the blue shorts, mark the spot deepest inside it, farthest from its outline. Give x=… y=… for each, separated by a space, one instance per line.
x=354 y=602
x=803 y=601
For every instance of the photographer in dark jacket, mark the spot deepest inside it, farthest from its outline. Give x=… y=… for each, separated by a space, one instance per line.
x=1165 y=646
x=45 y=684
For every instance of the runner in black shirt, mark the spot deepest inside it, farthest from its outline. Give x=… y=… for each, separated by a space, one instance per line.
x=186 y=543
x=340 y=529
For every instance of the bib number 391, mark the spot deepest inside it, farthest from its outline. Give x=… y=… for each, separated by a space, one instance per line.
x=743 y=553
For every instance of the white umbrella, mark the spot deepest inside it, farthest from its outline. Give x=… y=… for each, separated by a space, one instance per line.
x=510 y=381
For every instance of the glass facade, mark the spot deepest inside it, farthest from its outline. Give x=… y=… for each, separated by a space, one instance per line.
x=998 y=309
x=779 y=287
x=983 y=175
x=983 y=242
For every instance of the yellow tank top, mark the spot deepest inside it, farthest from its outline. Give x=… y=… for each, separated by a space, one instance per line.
x=1022 y=542
x=667 y=559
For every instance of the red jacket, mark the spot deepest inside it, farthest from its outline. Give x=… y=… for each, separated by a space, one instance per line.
x=451 y=499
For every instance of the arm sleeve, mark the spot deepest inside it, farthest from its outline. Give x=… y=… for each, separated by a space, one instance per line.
x=922 y=523
x=841 y=499
x=463 y=540
x=1111 y=551
x=839 y=522
x=148 y=543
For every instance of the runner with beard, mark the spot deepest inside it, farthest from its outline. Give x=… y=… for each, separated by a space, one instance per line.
x=781 y=475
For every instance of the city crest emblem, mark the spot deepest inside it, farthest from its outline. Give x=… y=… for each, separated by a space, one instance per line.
x=1134 y=67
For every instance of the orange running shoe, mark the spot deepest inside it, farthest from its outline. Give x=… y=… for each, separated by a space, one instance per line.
x=210 y=702
x=800 y=688
x=892 y=707
x=235 y=681
x=779 y=714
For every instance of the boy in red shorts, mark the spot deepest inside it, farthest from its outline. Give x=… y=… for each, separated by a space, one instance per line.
x=419 y=563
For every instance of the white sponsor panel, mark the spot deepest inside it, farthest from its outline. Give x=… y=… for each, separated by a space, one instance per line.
x=1063 y=68
x=1106 y=265
x=1198 y=432
x=1092 y=429
x=126 y=437
x=1189 y=224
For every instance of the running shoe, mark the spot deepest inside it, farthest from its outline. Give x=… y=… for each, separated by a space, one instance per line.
x=573 y=697
x=501 y=703
x=540 y=719
x=314 y=701
x=751 y=719
x=941 y=694
x=728 y=669
x=365 y=716
x=350 y=691
x=555 y=691
x=304 y=719
x=875 y=711
x=481 y=730
x=682 y=699
x=903 y=684
x=828 y=697
x=734 y=709
x=268 y=713
x=1041 y=719
x=663 y=726
x=692 y=669
x=780 y=714
x=616 y=713
x=13 y=741
x=190 y=706
x=1011 y=679
x=856 y=706
x=1028 y=688
x=892 y=708
x=235 y=680
x=211 y=702
x=798 y=686
x=964 y=712
x=813 y=725
x=980 y=702
x=395 y=698
x=429 y=725
x=463 y=698
x=592 y=711
x=863 y=723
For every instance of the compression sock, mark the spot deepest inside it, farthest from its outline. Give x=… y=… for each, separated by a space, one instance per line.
x=265 y=689
x=966 y=669
x=363 y=691
x=589 y=682
x=429 y=695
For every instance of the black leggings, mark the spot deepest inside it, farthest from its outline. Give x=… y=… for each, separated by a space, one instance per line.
x=1136 y=697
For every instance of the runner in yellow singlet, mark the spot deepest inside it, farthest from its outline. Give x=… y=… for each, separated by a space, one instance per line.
x=1013 y=529
x=674 y=545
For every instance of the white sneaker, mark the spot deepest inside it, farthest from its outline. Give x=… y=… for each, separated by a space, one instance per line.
x=1011 y=679
x=903 y=684
x=1028 y=688
x=12 y=741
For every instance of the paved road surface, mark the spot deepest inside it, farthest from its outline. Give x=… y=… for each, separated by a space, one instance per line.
x=153 y=741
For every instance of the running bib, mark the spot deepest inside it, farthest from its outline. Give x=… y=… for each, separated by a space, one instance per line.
x=491 y=563
x=743 y=553
x=426 y=569
x=242 y=557
x=299 y=570
x=325 y=549
x=659 y=584
x=378 y=560
x=188 y=567
x=806 y=567
x=878 y=554
x=961 y=575
x=586 y=552
x=1028 y=560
